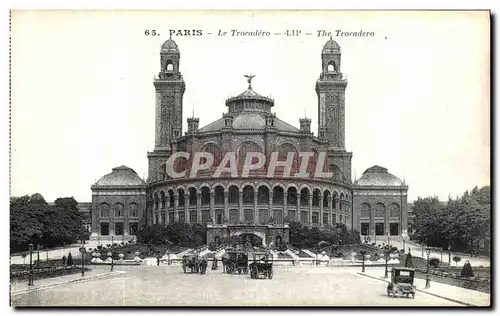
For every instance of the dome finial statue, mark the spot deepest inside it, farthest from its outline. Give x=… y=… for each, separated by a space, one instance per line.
x=249 y=80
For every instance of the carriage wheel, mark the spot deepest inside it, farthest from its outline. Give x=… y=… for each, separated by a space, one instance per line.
x=239 y=270
x=270 y=274
x=245 y=270
x=230 y=268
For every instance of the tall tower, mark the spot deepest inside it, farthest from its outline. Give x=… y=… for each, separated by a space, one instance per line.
x=170 y=89
x=330 y=88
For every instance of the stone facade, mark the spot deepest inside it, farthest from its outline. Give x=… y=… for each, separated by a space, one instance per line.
x=258 y=203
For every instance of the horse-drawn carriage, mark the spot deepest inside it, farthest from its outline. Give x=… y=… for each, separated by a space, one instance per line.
x=261 y=265
x=235 y=261
x=195 y=263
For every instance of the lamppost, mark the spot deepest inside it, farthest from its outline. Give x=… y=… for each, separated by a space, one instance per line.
x=38 y=254
x=449 y=255
x=388 y=239
x=386 y=257
x=427 y=280
x=405 y=237
x=363 y=253
x=82 y=250
x=423 y=250
x=30 y=277
x=47 y=254
x=442 y=249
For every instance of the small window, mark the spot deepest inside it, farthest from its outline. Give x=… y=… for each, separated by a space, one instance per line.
x=176 y=133
x=170 y=67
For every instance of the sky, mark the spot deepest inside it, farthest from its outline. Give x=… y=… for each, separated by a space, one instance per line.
x=83 y=101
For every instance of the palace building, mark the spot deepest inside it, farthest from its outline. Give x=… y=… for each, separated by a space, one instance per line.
x=258 y=205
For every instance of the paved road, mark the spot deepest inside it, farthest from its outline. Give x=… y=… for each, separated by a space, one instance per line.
x=167 y=285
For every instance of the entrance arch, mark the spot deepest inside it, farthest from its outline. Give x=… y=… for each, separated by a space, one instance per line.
x=253 y=236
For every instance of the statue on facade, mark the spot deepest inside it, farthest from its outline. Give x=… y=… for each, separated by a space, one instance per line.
x=249 y=80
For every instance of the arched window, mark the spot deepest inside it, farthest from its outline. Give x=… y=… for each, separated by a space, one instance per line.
x=316 y=196
x=170 y=65
x=283 y=155
x=248 y=195
x=193 y=198
x=394 y=210
x=171 y=198
x=118 y=210
x=336 y=173
x=379 y=210
x=162 y=200
x=247 y=147
x=215 y=151
x=263 y=195
x=133 y=210
x=104 y=210
x=304 y=197
x=365 y=210
x=219 y=195
x=335 y=200
x=326 y=199
x=155 y=202
x=205 y=196
x=291 y=198
x=278 y=196
x=234 y=195
x=341 y=202
x=331 y=66
x=182 y=198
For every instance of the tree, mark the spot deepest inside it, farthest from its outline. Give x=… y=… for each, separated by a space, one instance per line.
x=457 y=259
x=26 y=225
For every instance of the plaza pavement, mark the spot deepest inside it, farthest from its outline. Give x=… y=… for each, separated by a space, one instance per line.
x=168 y=286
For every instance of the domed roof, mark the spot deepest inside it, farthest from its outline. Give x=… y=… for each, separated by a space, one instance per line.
x=169 y=45
x=120 y=176
x=331 y=45
x=378 y=176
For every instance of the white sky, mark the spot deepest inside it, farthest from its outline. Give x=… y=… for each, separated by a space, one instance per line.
x=417 y=101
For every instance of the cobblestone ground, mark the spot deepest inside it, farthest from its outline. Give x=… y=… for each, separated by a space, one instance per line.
x=168 y=286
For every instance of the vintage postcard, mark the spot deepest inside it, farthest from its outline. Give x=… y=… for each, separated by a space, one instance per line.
x=250 y=158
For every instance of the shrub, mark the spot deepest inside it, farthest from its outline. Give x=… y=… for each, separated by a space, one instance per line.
x=408 y=261
x=70 y=260
x=457 y=259
x=467 y=270
x=434 y=262
x=63 y=259
x=394 y=249
x=212 y=246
